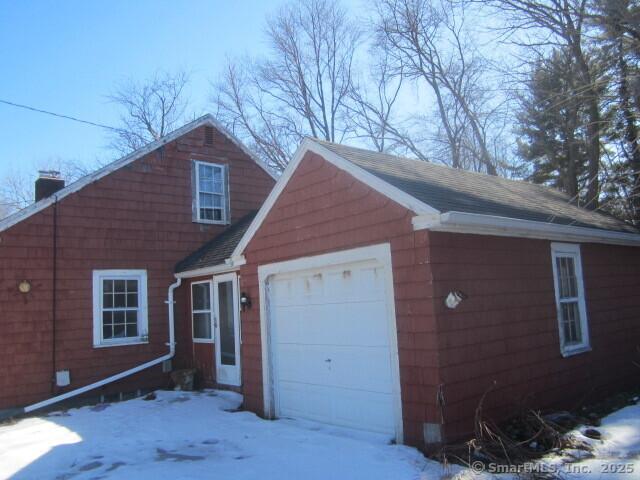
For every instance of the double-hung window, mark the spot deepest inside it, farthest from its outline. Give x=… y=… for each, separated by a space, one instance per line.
x=570 y=301
x=210 y=192
x=119 y=307
x=202 y=311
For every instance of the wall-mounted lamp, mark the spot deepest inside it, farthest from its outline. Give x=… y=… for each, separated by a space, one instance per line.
x=454 y=299
x=245 y=301
x=24 y=287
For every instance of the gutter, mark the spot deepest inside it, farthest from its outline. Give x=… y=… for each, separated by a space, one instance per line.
x=230 y=265
x=113 y=378
x=459 y=222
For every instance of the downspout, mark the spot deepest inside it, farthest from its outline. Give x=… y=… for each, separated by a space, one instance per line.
x=172 y=350
x=54 y=296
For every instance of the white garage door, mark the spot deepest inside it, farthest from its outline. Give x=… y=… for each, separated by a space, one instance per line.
x=330 y=346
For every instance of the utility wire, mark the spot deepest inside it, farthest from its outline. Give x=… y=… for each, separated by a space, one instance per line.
x=59 y=115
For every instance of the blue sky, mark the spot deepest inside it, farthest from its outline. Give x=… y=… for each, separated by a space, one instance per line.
x=65 y=56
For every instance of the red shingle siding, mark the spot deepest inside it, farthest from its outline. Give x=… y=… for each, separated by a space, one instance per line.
x=507 y=330
x=138 y=217
x=190 y=354
x=324 y=209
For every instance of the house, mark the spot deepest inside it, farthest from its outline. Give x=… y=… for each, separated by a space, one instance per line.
x=391 y=294
x=362 y=290
x=86 y=271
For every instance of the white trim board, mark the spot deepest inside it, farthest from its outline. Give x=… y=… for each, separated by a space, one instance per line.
x=381 y=254
x=460 y=222
x=207 y=119
x=309 y=145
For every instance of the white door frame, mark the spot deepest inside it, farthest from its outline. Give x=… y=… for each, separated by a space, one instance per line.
x=380 y=253
x=232 y=373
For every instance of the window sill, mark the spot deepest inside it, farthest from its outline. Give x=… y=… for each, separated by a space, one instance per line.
x=212 y=222
x=570 y=352
x=121 y=344
x=203 y=340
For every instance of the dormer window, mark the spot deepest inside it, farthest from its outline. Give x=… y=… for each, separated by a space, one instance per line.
x=210 y=193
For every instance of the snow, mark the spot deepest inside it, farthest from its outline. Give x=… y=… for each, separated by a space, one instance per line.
x=184 y=435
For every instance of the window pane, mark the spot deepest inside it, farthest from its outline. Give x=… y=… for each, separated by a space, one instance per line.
x=107 y=332
x=132 y=300
x=567 y=283
x=118 y=331
x=216 y=201
x=206 y=200
x=227 y=343
x=205 y=171
x=206 y=185
x=132 y=286
x=118 y=317
x=131 y=330
x=217 y=214
x=119 y=286
x=571 y=323
x=217 y=187
x=119 y=300
x=131 y=316
x=206 y=214
x=202 y=325
x=107 y=318
x=107 y=300
x=107 y=286
x=201 y=296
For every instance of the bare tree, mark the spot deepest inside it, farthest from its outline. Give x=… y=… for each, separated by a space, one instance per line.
x=428 y=41
x=301 y=87
x=17 y=186
x=538 y=24
x=151 y=109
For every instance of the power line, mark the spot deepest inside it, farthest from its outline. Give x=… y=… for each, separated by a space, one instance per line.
x=59 y=115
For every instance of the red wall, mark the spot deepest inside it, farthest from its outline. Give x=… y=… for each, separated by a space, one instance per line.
x=325 y=209
x=138 y=217
x=189 y=354
x=507 y=332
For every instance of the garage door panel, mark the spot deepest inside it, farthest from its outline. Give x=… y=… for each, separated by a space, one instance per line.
x=330 y=346
x=335 y=323
x=365 y=368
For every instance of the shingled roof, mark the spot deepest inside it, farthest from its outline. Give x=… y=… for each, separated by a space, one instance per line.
x=453 y=190
x=216 y=251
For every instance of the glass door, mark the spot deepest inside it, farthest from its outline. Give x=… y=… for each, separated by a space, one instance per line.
x=226 y=322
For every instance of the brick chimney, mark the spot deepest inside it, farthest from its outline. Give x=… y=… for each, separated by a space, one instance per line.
x=48 y=183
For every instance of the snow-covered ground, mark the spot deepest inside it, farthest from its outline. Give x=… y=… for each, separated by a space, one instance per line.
x=182 y=435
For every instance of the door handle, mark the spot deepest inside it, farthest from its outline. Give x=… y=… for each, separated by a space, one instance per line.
x=328 y=360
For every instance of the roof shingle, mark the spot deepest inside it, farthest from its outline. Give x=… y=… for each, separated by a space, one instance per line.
x=453 y=190
x=217 y=250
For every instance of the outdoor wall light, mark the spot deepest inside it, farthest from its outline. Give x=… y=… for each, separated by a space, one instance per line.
x=245 y=301
x=24 y=287
x=454 y=299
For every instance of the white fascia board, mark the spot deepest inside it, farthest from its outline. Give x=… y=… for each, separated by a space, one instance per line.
x=309 y=145
x=208 y=119
x=459 y=222
x=201 y=272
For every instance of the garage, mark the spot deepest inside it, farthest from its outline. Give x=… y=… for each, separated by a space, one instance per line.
x=332 y=340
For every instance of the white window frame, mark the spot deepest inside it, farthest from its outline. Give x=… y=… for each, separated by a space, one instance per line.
x=560 y=250
x=224 y=195
x=143 y=322
x=209 y=311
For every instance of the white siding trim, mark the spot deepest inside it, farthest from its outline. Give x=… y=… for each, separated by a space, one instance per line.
x=309 y=145
x=380 y=253
x=460 y=222
x=573 y=251
x=126 y=160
